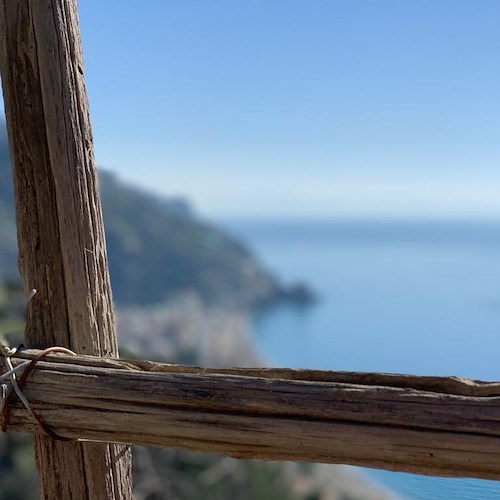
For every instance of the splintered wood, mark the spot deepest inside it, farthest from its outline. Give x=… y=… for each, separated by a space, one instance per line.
x=427 y=425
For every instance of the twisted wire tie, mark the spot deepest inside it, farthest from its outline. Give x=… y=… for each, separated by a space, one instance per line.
x=26 y=367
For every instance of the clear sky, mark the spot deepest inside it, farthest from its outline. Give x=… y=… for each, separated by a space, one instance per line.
x=325 y=108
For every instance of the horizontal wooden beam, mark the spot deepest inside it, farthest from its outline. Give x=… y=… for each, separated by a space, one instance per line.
x=427 y=425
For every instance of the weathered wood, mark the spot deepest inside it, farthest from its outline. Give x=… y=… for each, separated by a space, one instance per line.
x=428 y=425
x=60 y=233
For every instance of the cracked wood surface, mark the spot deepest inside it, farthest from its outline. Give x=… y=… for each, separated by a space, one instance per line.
x=59 y=224
x=443 y=426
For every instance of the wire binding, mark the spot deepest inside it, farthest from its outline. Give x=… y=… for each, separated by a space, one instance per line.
x=10 y=383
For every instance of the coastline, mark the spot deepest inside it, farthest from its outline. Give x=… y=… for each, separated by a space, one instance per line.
x=187 y=331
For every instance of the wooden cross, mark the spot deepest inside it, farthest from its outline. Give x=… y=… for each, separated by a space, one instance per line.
x=430 y=425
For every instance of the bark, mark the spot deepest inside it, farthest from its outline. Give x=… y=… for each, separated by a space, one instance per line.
x=62 y=250
x=443 y=426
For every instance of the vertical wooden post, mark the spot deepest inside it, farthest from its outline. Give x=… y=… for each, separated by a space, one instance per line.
x=60 y=232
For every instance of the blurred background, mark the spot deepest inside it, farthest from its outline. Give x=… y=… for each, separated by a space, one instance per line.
x=291 y=183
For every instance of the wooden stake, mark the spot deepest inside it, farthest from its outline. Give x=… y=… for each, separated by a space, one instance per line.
x=62 y=250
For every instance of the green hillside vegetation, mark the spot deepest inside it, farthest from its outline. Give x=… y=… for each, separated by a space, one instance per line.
x=158 y=248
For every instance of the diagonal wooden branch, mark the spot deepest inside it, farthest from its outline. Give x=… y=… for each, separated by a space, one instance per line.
x=427 y=425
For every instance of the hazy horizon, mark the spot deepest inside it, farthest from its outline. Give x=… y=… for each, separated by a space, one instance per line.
x=287 y=108
x=295 y=109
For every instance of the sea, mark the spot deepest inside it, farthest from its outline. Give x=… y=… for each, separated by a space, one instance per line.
x=419 y=297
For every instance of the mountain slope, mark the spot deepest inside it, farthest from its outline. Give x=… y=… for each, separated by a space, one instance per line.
x=157 y=248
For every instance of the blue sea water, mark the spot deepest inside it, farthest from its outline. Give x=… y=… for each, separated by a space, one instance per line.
x=407 y=297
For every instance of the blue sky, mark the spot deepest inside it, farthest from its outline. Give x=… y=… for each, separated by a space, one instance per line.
x=327 y=108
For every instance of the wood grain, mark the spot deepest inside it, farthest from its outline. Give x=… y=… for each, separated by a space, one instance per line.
x=59 y=224
x=443 y=426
